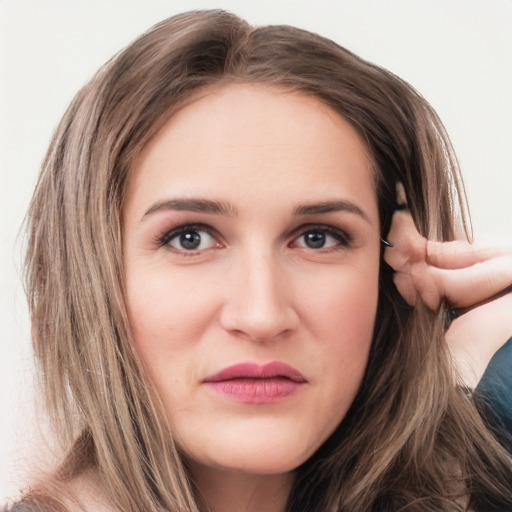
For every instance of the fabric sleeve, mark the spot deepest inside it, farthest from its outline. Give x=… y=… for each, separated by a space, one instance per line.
x=493 y=395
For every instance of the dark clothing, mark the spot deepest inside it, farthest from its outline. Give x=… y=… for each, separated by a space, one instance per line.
x=493 y=395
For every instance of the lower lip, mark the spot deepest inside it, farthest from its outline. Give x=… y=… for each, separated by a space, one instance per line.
x=256 y=391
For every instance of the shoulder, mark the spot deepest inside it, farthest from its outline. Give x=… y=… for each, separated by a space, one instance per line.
x=82 y=494
x=29 y=505
x=18 y=507
x=494 y=395
x=24 y=505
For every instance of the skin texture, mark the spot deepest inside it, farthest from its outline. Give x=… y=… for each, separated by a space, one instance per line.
x=253 y=290
x=464 y=274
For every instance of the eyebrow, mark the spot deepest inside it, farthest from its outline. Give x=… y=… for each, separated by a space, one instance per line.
x=224 y=208
x=331 y=206
x=192 y=205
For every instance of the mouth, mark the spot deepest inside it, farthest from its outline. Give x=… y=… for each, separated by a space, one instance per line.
x=253 y=383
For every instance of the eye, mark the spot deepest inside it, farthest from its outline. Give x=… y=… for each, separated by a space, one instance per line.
x=189 y=239
x=322 y=238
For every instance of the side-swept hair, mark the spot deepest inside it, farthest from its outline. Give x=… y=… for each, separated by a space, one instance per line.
x=411 y=440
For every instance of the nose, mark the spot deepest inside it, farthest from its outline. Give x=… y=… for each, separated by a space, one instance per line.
x=259 y=300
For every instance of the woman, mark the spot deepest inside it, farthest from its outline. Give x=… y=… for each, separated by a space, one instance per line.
x=213 y=317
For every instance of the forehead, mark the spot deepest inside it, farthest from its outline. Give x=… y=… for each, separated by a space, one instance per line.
x=238 y=138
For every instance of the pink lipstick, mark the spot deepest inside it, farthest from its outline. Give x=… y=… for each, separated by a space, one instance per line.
x=256 y=384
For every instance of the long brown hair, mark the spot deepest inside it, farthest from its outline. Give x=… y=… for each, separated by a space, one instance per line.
x=411 y=440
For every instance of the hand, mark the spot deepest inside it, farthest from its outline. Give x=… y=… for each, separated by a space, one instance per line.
x=463 y=274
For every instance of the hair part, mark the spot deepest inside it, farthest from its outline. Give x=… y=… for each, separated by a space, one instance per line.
x=415 y=456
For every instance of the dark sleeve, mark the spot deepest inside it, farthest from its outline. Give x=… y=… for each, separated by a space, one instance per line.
x=493 y=394
x=27 y=505
x=18 y=507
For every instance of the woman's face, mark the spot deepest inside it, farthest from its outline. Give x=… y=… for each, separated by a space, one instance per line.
x=252 y=257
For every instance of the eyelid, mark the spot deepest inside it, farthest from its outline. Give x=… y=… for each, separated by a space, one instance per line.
x=171 y=233
x=344 y=238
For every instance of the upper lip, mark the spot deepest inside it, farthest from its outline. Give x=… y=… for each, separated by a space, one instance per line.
x=257 y=371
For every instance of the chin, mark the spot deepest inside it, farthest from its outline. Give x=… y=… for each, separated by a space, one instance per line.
x=268 y=451
x=265 y=462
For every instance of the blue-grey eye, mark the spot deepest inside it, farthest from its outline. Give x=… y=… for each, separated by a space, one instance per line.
x=315 y=239
x=191 y=239
x=322 y=238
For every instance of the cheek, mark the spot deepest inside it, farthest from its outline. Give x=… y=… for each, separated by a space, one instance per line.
x=342 y=322
x=344 y=305
x=168 y=317
x=164 y=307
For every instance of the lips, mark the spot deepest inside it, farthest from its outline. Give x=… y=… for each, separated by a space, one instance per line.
x=253 y=383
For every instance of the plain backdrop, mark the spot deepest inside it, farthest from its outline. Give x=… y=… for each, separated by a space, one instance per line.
x=458 y=54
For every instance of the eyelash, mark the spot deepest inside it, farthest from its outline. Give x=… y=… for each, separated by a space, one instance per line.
x=342 y=237
x=165 y=239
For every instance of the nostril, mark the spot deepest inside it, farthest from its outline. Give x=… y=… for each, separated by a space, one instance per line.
x=259 y=326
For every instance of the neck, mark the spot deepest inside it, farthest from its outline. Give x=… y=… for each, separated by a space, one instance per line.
x=224 y=491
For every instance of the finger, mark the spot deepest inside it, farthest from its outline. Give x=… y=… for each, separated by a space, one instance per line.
x=401 y=198
x=397 y=259
x=406 y=287
x=408 y=244
x=474 y=338
x=426 y=284
x=457 y=312
x=469 y=285
x=460 y=254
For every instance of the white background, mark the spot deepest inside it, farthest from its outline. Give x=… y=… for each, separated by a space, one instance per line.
x=457 y=53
